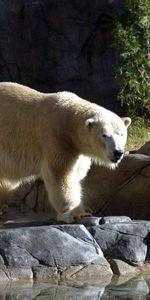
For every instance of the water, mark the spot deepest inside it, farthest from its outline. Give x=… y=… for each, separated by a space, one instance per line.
x=119 y=288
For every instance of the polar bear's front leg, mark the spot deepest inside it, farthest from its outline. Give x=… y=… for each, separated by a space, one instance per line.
x=64 y=193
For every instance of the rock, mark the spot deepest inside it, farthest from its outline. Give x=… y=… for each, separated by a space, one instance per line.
x=71 y=271
x=128 y=242
x=19 y=274
x=83 y=235
x=115 y=219
x=89 y=221
x=30 y=201
x=121 y=268
x=4 y=278
x=74 y=252
x=14 y=254
x=1 y=261
x=145 y=149
x=124 y=279
x=145 y=269
x=93 y=272
x=45 y=274
x=58 y=51
x=58 y=247
x=120 y=192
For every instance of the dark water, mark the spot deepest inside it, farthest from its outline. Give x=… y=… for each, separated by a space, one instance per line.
x=119 y=288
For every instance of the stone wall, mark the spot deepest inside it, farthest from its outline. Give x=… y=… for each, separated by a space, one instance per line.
x=60 y=45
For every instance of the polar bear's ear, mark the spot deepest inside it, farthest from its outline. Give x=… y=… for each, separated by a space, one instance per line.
x=89 y=122
x=126 y=121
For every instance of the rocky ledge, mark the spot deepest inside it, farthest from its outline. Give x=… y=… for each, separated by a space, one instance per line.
x=95 y=249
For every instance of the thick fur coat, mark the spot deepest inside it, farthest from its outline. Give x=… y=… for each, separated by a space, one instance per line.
x=55 y=136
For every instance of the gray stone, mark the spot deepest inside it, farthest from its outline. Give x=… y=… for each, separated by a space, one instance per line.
x=120 y=192
x=128 y=242
x=122 y=268
x=19 y=274
x=145 y=149
x=15 y=255
x=54 y=246
x=65 y=53
x=89 y=221
x=93 y=271
x=74 y=252
x=80 y=233
x=115 y=219
x=1 y=261
x=137 y=228
x=4 y=278
x=71 y=271
x=45 y=274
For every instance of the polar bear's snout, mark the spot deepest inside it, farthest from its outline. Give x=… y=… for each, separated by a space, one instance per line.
x=118 y=154
x=114 y=146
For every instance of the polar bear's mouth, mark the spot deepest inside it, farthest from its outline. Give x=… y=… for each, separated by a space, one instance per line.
x=117 y=156
x=109 y=160
x=116 y=161
x=114 y=164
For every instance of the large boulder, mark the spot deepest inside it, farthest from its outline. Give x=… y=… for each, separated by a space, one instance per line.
x=124 y=191
x=50 y=252
x=145 y=149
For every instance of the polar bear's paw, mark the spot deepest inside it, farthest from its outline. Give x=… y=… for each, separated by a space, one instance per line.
x=82 y=215
x=72 y=216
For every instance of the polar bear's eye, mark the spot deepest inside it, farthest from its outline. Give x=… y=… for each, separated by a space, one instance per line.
x=104 y=135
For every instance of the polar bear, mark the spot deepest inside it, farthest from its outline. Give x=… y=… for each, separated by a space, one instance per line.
x=55 y=136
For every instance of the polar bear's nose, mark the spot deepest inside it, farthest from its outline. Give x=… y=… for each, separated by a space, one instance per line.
x=118 y=154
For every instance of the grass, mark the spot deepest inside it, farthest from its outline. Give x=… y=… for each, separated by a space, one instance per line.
x=139 y=133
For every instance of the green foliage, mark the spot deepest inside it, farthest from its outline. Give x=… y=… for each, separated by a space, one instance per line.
x=132 y=39
x=138 y=133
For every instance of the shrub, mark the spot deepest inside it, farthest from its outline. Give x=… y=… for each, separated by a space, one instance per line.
x=132 y=39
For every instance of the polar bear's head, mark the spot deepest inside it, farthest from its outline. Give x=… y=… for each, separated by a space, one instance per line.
x=107 y=137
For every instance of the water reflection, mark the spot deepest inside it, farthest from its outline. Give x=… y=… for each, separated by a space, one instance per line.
x=119 y=288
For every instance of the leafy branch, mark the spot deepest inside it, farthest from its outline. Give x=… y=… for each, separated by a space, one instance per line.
x=132 y=39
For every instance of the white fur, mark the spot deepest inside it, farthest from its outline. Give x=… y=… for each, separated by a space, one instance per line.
x=55 y=136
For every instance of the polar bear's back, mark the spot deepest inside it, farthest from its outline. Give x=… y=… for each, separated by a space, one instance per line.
x=23 y=97
x=14 y=91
